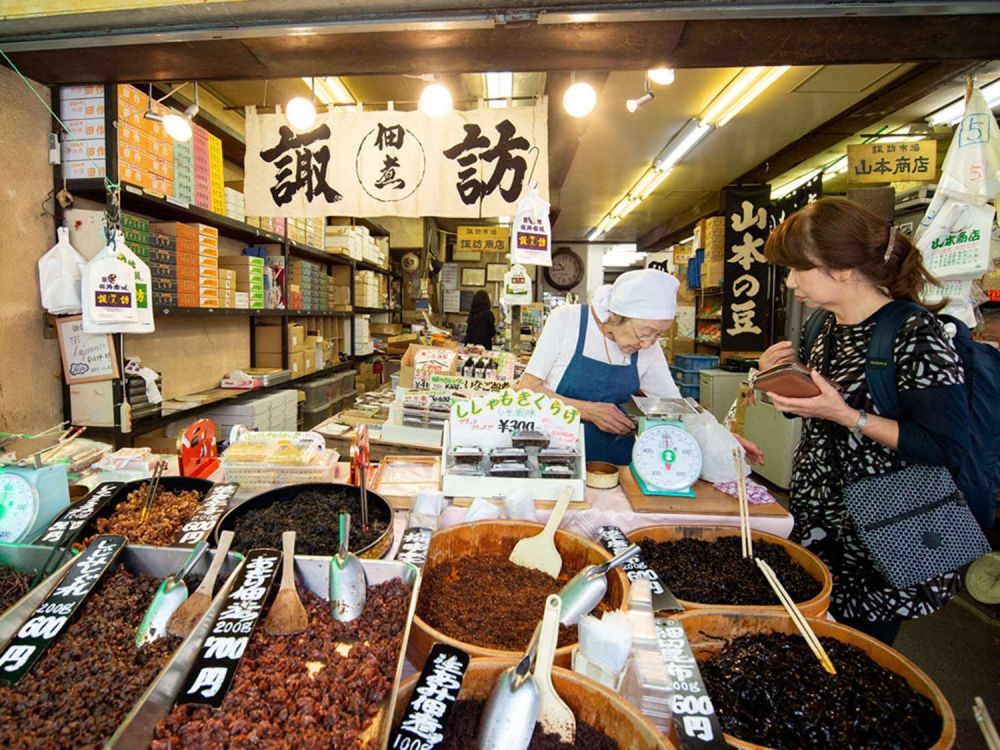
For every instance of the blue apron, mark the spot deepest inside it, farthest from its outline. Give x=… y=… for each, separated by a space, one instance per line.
x=589 y=380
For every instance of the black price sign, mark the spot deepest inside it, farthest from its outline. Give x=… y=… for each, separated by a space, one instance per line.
x=615 y=541
x=426 y=717
x=208 y=514
x=52 y=615
x=79 y=515
x=414 y=545
x=695 y=720
x=217 y=662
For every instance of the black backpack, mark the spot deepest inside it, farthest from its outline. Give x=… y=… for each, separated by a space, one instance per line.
x=978 y=476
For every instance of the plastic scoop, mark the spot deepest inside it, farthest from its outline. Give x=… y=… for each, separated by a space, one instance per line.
x=348 y=583
x=539 y=551
x=187 y=615
x=287 y=615
x=509 y=716
x=585 y=590
x=553 y=713
x=171 y=595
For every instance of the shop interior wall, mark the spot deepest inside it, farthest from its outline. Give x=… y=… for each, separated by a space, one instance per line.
x=30 y=390
x=593 y=276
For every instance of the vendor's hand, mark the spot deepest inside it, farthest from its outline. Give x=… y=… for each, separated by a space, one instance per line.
x=829 y=404
x=754 y=454
x=608 y=418
x=778 y=354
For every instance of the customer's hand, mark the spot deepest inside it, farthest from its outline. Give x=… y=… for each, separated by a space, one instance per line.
x=777 y=354
x=829 y=404
x=607 y=418
x=754 y=454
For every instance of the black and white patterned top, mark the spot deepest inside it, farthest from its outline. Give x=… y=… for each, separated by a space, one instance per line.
x=829 y=456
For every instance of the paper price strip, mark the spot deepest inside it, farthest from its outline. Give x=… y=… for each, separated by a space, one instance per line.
x=413 y=546
x=52 y=615
x=208 y=514
x=487 y=421
x=220 y=655
x=426 y=717
x=79 y=515
x=695 y=720
x=615 y=541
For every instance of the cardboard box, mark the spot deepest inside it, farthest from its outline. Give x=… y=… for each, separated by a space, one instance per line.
x=308 y=360
x=87 y=128
x=132 y=95
x=81 y=109
x=158 y=165
x=81 y=170
x=712 y=273
x=79 y=150
x=297 y=363
x=87 y=91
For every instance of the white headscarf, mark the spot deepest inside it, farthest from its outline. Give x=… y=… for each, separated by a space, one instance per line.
x=647 y=295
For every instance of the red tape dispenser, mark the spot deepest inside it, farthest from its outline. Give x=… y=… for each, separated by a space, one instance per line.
x=198 y=449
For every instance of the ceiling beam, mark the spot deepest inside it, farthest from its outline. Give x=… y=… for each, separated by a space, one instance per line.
x=901 y=92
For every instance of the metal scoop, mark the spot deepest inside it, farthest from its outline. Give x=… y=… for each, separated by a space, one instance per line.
x=348 y=584
x=171 y=595
x=509 y=716
x=585 y=590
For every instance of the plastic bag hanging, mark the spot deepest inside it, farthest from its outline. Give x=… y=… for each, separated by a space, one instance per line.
x=531 y=234
x=143 y=287
x=108 y=293
x=59 y=274
x=516 y=287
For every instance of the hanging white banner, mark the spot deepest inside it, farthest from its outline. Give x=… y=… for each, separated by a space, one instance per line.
x=478 y=163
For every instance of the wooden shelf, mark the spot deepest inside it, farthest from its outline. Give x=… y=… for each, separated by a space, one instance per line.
x=372 y=310
x=318 y=314
x=306 y=252
x=366 y=266
x=211 y=312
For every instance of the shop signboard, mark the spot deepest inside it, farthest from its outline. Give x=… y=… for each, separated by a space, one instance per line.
x=472 y=242
x=467 y=164
x=882 y=162
x=745 y=269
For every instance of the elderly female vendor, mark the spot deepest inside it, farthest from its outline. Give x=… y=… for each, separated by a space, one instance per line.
x=596 y=356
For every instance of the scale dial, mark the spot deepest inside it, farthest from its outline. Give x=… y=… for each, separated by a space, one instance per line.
x=19 y=503
x=667 y=458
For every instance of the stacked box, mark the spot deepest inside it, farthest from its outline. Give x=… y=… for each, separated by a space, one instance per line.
x=197 y=262
x=368 y=289
x=201 y=160
x=234 y=204
x=145 y=151
x=217 y=194
x=248 y=278
x=314 y=233
x=82 y=109
x=362 y=336
x=184 y=171
x=227 y=287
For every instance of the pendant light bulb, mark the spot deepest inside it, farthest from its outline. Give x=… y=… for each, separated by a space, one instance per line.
x=435 y=100
x=301 y=113
x=177 y=126
x=661 y=76
x=580 y=99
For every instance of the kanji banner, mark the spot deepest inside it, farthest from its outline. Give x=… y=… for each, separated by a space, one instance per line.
x=892 y=162
x=745 y=278
x=477 y=163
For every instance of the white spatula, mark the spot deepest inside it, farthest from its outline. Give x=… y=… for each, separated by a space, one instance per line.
x=539 y=551
x=553 y=713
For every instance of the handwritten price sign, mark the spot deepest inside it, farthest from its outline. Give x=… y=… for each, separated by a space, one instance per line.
x=490 y=420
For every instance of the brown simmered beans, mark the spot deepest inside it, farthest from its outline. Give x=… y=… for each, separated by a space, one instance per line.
x=169 y=511
x=299 y=691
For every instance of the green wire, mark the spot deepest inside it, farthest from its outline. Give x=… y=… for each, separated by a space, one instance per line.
x=108 y=185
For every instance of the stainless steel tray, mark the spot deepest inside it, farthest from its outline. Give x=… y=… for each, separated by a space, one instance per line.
x=28 y=558
x=312 y=572
x=158 y=562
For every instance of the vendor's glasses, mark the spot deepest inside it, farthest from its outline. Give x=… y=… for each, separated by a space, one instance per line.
x=643 y=340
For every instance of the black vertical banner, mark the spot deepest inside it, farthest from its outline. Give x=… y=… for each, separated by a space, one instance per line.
x=746 y=288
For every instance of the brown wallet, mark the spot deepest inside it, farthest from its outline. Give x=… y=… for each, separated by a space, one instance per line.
x=790 y=380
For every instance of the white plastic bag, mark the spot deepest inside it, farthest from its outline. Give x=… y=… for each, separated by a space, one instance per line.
x=717 y=444
x=531 y=234
x=108 y=293
x=59 y=273
x=143 y=287
x=956 y=245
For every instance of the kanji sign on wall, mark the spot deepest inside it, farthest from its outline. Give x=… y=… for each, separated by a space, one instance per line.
x=477 y=163
x=892 y=162
x=745 y=276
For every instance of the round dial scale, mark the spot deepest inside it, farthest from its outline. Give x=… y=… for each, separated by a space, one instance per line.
x=667 y=458
x=19 y=503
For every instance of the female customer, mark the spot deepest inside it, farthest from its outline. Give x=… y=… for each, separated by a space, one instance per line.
x=481 y=325
x=848 y=261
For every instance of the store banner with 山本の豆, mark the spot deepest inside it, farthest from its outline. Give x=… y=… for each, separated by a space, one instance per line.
x=745 y=316
x=467 y=164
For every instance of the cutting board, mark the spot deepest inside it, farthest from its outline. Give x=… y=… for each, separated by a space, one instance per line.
x=707 y=500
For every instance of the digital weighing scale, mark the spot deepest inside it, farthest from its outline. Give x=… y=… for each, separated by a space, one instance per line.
x=30 y=499
x=666 y=459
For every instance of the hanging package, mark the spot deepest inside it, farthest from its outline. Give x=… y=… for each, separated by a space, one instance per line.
x=108 y=293
x=531 y=235
x=956 y=245
x=516 y=287
x=143 y=287
x=59 y=272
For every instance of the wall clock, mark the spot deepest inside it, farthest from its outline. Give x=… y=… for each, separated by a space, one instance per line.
x=566 y=270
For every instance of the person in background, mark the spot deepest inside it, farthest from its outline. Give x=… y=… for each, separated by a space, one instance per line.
x=594 y=357
x=482 y=325
x=847 y=260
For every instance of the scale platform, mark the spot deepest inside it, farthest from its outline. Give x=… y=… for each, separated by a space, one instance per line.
x=648 y=489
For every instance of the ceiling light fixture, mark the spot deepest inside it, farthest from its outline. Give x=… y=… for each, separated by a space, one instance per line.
x=330 y=90
x=794 y=185
x=692 y=132
x=661 y=76
x=301 y=112
x=951 y=114
x=435 y=100
x=177 y=126
x=653 y=178
x=743 y=80
x=755 y=90
x=633 y=105
x=579 y=99
x=594 y=234
x=499 y=88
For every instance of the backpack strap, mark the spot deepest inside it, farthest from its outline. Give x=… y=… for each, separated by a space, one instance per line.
x=880 y=366
x=810 y=332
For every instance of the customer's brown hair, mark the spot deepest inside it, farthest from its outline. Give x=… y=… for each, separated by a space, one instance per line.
x=834 y=233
